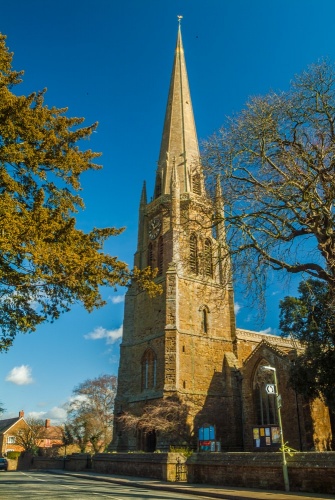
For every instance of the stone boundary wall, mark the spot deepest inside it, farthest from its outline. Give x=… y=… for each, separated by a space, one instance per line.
x=308 y=472
x=152 y=465
x=78 y=461
x=43 y=463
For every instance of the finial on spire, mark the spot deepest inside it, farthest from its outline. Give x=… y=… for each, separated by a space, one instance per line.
x=179 y=19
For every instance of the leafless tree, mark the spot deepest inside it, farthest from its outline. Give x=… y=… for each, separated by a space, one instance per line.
x=90 y=413
x=276 y=160
x=165 y=416
x=30 y=436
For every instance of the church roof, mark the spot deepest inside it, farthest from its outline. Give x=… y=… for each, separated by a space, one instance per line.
x=249 y=335
x=179 y=144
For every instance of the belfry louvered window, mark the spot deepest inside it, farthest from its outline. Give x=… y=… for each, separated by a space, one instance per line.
x=160 y=255
x=208 y=264
x=150 y=255
x=196 y=184
x=194 y=267
x=158 y=189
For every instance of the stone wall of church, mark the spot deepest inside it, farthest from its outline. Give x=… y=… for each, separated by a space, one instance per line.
x=306 y=425
x=194 y=296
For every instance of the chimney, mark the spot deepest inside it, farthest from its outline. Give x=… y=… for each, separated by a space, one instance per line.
x=21 y=414
x=47 y=423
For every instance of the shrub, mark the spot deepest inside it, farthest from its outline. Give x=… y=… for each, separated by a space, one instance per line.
x=13 y=455
x=183 y=451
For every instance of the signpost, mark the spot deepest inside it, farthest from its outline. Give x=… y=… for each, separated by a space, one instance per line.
x=270 y=389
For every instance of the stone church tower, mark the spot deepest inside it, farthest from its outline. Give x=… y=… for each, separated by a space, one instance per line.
x=184 y=343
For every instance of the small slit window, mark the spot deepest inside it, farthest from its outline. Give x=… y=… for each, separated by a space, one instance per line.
x=204 y=321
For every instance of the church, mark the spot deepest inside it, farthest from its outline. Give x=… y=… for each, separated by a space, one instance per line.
x=184 y=344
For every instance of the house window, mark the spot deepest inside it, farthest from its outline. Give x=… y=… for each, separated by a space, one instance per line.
x=11 y=439
x=160 y=256
x=208 y=259
x=194 y=254
x=264 y=403
x=149 y=369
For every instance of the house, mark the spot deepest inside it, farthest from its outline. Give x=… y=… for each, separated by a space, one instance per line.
x=51 y=436
x=8 y=428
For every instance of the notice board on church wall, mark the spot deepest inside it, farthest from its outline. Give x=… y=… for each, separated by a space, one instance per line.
x=266 y=436
x=206 y=439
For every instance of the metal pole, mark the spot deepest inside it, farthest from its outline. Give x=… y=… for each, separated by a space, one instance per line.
x=285 y=471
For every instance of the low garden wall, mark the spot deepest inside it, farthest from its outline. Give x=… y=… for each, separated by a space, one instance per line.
x=308 y=472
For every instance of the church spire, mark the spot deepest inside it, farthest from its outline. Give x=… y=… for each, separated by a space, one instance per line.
x=179 y=144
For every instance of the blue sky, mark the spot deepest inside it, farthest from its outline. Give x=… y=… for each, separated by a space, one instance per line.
x=110 y=61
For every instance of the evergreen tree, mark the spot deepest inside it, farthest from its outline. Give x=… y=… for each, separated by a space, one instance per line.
x=310 y=319
x=46 y=263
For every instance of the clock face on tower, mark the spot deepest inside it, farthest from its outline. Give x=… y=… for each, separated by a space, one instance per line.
x=155 y=225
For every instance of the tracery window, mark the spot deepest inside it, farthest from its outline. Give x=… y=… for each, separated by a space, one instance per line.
x=194 y=266
x=208 y=264
x=149 y=369
x=160 y=256
x=264 y=403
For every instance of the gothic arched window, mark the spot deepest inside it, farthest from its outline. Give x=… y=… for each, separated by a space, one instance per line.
x=194 y=267
x=160 y=256
x=208 y=264
x=264 y=403
x=149 y=368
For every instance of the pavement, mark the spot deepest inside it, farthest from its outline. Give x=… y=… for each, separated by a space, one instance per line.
x=211 y=491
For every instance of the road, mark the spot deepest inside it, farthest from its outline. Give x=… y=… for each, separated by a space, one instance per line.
x=32 y=485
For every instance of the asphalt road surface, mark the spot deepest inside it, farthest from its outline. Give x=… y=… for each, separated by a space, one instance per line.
x=44 y=486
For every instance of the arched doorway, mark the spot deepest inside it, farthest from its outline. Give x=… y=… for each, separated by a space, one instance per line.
x=150 y=441
x=146 y=441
